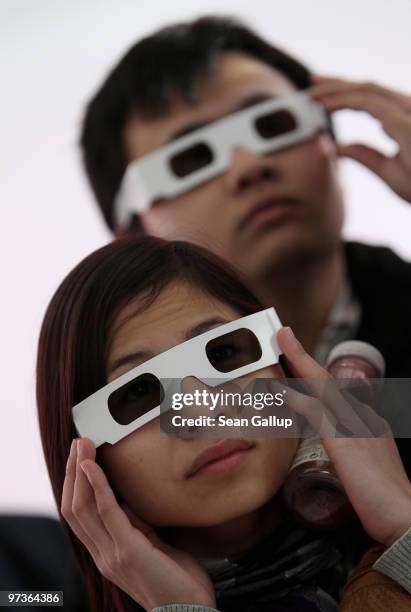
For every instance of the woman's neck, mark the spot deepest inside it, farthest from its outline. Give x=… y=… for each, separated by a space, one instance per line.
x=229 y=538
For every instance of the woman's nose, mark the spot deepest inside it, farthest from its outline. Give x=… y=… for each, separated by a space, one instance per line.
x=191 y=384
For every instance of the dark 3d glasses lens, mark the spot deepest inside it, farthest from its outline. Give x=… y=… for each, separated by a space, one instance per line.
x=233 y=350
x=135 y=398
x=275 y=124
x=190 y=160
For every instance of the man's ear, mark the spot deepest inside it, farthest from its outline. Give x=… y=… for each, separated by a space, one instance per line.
x=329 y=146
x=134 y=228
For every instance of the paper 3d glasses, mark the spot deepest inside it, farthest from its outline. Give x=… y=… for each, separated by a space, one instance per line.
x=133 y=399
x=200 y=156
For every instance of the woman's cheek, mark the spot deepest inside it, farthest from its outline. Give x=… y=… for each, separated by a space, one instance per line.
x=144 y=485
x=279 y=458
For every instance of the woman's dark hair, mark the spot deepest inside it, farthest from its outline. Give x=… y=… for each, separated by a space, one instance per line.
x=71 y=362
x=158 y=66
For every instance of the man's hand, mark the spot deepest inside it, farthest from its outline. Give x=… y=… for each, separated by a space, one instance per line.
x=391 y=108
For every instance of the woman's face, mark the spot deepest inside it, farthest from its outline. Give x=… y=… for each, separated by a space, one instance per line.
x=149 y=469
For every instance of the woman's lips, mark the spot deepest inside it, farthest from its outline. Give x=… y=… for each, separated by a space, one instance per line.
x=220 y=457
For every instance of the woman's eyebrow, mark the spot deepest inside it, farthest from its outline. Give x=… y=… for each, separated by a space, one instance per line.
x=204 y=326
x=131 y=358
x=141 y=356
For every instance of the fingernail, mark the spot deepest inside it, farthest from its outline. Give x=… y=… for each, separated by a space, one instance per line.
x=73 y=446
x=84 y=468
x=290 y=334
x=79 y=447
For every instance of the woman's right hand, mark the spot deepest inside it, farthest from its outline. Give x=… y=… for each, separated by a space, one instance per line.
x=365 y=458
x=127 y=551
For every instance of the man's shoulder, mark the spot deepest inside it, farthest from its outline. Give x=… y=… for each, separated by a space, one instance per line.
x=381 y=282
x=371 y=267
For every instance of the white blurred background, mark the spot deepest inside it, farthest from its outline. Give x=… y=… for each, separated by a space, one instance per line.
x=53 y=56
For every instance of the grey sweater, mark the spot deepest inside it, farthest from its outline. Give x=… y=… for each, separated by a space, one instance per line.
x=395 y=562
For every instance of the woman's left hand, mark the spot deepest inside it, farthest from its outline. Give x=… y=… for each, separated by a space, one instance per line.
x=370 y=468
x=391 y=108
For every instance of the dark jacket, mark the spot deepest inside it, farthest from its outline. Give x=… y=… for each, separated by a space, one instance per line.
x=381 y=282
x=36 y=554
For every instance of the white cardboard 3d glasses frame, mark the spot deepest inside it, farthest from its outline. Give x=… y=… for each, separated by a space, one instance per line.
x=202 y=155
x=134 y=398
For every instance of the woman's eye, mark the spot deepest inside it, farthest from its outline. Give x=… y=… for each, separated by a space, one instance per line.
x=137 y=392
x=223 y=352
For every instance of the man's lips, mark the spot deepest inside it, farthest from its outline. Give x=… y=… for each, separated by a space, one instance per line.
x=270 y=209
x=226 y=449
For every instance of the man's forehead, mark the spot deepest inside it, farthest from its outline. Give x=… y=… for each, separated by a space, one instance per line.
x=237 y=82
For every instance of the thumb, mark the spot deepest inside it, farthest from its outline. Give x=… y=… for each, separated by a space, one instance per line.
x=300 y=362
x=367 y=156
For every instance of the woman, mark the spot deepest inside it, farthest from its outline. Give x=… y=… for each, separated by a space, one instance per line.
x=121 y=306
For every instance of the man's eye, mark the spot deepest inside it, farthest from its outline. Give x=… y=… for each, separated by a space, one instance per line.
x=190 y=160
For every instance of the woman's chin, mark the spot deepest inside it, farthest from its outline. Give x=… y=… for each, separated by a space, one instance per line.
x=232 y=510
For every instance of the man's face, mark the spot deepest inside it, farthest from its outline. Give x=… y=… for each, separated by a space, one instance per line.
x=265 y=210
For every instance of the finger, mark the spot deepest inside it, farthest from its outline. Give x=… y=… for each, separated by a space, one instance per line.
x=323 y=86
x=353 y=417
x=367 y=156
x=320 y=383
x=68 y=484
x=84 y=505
x=111 y=515
x=395 y=121
x=323 y=78
x=316 y=414
x=377 y=106
x=300 y=362
x=67 y=502
x=378 y=427
x=333 y=415
x=342 y=408
x=311 y=408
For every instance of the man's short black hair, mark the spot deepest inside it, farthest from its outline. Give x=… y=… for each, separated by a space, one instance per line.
x=163 y=64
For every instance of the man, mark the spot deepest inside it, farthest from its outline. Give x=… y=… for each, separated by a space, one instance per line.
x=276 y=217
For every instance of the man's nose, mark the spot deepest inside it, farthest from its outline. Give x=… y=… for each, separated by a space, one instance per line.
x=248 y=169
